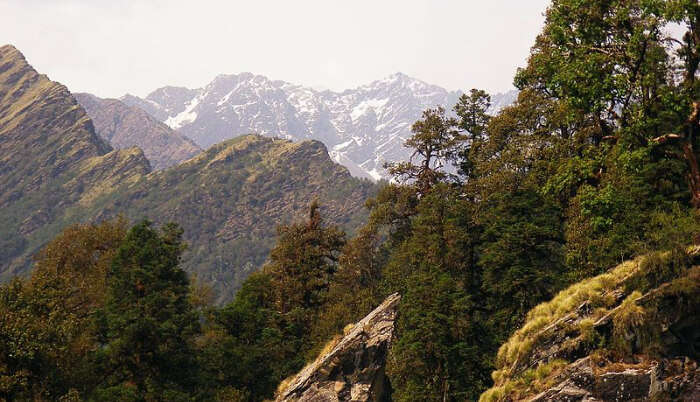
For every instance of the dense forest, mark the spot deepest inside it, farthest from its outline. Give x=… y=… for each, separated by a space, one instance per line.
x=595 y=164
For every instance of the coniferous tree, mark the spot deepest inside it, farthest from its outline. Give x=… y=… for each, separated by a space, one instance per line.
x=473 y=119
x=438 y=354
x=264 y=335
x=303 y=262
x=147 y=323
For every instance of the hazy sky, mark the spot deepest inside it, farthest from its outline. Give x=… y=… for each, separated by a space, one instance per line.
x=111 y=47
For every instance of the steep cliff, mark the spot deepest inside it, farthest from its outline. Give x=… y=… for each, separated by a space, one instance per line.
x=631 y=334
x=353 y=369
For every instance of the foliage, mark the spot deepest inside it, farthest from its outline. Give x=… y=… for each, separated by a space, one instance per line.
x=147 y=322
x=473 y=120
x=264 y=335
x=520 y=255
x=434 y=141
x=594 y=164
x=47 y=331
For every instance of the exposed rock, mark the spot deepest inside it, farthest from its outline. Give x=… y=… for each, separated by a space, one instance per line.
x=631 y=334
x=582 y=380
x=354 y=369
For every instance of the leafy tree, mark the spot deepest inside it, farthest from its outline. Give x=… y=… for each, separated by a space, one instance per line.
x=46 y=329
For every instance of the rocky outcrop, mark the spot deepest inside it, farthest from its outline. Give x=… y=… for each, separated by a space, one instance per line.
x=126 y=126
x=662 y=379
x=631 y=334
x=353 y=370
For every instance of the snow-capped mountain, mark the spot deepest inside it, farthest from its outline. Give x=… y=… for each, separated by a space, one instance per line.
x=362 y=127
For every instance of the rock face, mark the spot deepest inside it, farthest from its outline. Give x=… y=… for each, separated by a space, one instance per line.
x=362 y=127
x=354 y=369
x=631 y=334
x=126 y=126
x=583 y=380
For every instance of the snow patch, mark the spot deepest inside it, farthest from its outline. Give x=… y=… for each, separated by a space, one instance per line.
x=342 y=145
x=186 y=116
x=364 y=106
x=375 y=174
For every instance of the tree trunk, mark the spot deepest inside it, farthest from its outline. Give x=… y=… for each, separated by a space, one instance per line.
x=693 y=175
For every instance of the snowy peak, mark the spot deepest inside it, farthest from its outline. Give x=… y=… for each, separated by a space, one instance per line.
x=362 y=127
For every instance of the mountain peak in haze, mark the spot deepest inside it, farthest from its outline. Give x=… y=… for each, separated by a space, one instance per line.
x=362 y=127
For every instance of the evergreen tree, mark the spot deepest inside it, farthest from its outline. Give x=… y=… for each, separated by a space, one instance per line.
x=440 y=346
x=521 y=255
x=303 y=262
x=147 y=323
x=473 y=119
x=265 y=334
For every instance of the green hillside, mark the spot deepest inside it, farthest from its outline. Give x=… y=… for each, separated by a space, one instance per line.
x=230 y=199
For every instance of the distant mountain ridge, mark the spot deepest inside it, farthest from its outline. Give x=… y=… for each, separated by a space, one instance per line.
x=125 y=126
x=55 y=171
x=362 y=127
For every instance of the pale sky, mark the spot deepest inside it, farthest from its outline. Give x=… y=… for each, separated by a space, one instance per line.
x=113 y=47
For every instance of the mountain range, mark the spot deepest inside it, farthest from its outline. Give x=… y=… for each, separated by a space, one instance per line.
x=362 y=127
x=56 y=170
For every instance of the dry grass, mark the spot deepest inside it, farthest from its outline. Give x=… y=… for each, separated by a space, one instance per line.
x=328 y=347
x=602 y=292
x=284 y=384
x=532 y=381
x=522 y=342
x=627 y=321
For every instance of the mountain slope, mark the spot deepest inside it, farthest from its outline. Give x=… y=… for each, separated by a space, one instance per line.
x=230 y=199
x=50 y=158
x=362 y=127
x=126 y=126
